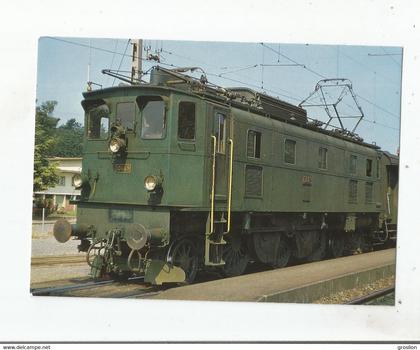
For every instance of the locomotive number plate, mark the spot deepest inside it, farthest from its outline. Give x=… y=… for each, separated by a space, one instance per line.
x=306 y=180
x=123 y=168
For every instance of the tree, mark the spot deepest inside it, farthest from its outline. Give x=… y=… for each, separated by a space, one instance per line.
x=45 y=173
x=69 y=139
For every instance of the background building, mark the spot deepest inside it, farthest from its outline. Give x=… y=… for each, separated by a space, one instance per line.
x=60 y=195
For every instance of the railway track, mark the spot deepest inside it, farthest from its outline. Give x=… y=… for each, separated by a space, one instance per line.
x=365 y=299
x=133 y=288
x=58 y=290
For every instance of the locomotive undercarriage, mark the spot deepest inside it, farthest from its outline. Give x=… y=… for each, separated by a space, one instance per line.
x=273 y=239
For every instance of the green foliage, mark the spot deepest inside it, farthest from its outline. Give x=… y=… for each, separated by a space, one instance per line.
x=52 y=141
x=69 y=139
x=45 y=141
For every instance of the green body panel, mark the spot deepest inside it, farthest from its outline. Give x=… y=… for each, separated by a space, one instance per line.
x=186 y=165
x=283 y=190
x=179 y=162
x=186 y=182
x=98 y=215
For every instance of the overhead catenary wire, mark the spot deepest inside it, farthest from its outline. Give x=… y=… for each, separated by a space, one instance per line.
x=290 y=94
x=90 y=46
x=392 y=58
x=291 y=97
x=112 y=61
x=262 y=70
x=379 y=107
x=252 y=85
x=380 y=124
x=222 y=77
x=189 y=58
x=367 y=67
x=107 y=50
x=320 y=75
x=102 y=49
x=295 y=62
x=239 y=69
x=122 y=58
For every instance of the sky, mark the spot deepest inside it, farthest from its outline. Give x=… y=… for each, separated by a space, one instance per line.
x=287 y=71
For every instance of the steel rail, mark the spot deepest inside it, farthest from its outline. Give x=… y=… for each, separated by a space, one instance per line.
x=372 y=296
x=62 y=289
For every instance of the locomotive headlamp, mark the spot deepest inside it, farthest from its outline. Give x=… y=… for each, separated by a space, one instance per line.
x=77 y=181
x=116 y=145
x=151 y=182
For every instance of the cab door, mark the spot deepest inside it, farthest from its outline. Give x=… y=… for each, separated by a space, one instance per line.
x=221 y=150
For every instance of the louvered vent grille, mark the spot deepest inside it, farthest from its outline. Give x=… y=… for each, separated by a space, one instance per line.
x=253 y=181
x=352 y=191
x=368 y=192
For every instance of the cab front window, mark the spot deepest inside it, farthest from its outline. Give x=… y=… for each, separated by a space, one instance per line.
x=125 y=114
x=98 y=122
x=153 y=112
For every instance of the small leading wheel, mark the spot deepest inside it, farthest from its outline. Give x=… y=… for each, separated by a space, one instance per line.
x=184 y=255
x=283 y=254
x=95 y=257
x=235 y=256
x=336 y=245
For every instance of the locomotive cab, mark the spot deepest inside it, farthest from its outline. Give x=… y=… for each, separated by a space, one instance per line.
x=133 y=178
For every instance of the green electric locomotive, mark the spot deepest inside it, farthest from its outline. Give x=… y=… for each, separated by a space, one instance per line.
x=180 y=175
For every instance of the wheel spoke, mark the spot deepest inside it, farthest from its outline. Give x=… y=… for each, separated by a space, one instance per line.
x=184 y=256
x=283 y=254
x=184 y=250
x=235 y=257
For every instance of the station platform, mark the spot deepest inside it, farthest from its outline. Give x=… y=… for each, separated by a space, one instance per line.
x=301 y=283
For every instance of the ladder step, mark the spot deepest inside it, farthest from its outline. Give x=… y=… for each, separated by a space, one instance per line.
x=217 y=243
x=215 y=264
x=223 y=221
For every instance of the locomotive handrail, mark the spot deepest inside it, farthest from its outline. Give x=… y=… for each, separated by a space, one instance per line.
x=214 y=140
x=230 y=141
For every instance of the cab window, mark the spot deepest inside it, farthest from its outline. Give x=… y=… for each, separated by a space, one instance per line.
x=153 y=116
x=98 y=122
x=186 y=121
x=353 y=164
x=369 y=167
x=322 y=158
x=254 y=144
x=126 y=114
x=290 y=151
x=220 y=131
